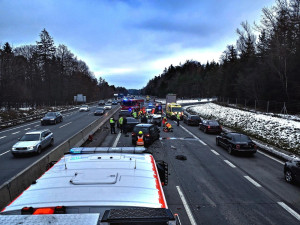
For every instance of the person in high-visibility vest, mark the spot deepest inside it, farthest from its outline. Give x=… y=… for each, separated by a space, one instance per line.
x=112 y=125
x=168 y=126
x=164 y=121
x=140 y=139
x=134 y=114
x=178 y=118
x=121 y=123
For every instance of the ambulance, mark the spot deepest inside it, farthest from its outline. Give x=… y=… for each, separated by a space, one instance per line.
x=172 y=109
x=96 y=186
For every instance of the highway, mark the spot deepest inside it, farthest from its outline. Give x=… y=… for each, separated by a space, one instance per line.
x=209 y=187
x=73 y=122
x=213 y=187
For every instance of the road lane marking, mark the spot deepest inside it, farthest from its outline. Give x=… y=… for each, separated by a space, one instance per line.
x=291 y=211
x=229 y=163
x=65 y=125
x=117 y=139
x=252 y=181
x=186 y=206
x=2 y=137
x=17 y=127
x=16 y=132
x=4 y=152
x=277 y=160
x=193 y=135
x=215 y=152
x=36 y=125
x=27 y=128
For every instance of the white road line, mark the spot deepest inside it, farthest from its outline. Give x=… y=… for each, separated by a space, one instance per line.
x=252 y=181
x=277 y=160
x=2 y=137
x=117 y=139
x=215 y=152
x=193 y=135
x=18 y=127
x=36 y=125
x=65 y=125
x=4 y=152
x=27 y=128
x=229 y=163
x=291 y=211
x=16 y=132
x=186 y=206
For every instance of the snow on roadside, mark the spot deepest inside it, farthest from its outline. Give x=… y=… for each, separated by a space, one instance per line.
x=281 y=132
x=183 y=101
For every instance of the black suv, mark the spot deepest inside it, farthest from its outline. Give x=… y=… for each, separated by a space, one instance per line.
x=210 y=126
x=150 y=131
x=292 y=170
x=190 y=119
x=236 y=142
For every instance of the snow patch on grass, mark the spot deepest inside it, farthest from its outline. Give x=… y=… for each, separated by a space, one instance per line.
x=281 y=132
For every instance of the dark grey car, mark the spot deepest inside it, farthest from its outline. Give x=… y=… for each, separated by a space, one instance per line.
x=99 y=111
x=52 y=118
x=292 y=170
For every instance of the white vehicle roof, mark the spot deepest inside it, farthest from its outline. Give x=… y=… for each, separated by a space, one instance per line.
x=102 y=178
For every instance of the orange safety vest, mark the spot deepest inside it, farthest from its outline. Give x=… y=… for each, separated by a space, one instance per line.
x=168 y=125
x=140 y=141
x=164 y=121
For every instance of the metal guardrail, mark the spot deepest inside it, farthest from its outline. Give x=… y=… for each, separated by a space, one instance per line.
x=17 y=184
x=32 y=117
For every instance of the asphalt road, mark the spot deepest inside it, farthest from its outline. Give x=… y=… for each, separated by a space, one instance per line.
x=10 y=166
x=213 y=187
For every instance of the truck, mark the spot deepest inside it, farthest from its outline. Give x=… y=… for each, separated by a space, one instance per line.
x=170 y=98
x=79 y=98
x=96 y=186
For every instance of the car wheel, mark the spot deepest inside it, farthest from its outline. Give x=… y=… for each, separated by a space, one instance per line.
x=230 y=151
x=39 y=150
x=52 y=142
x=54 y=121
x=61 y=119
x=217 y=142
x=289 y=177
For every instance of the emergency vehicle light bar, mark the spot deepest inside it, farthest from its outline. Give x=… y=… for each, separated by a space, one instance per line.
x=92 y=150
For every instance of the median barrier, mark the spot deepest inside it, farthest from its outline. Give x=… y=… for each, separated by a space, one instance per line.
x=17 y=184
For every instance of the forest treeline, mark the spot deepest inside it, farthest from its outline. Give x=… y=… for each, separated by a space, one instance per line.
x=45 y=74
x=260 y=67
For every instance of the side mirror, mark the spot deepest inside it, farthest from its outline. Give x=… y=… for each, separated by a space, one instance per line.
x=163 y=172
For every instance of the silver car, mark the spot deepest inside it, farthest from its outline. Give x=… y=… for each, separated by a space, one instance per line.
x=33 y=142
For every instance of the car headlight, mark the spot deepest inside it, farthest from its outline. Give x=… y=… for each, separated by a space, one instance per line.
x=30 y=148
x=51 y=119
x=13 y=148
x=41 y=119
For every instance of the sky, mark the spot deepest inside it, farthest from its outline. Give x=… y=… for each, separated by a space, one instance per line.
x=128 y=42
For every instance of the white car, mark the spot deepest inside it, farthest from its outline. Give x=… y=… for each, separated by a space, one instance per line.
x=107 y=106
x=84 y=108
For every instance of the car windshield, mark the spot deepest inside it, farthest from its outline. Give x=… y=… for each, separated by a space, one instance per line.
x=241 y=138
x=213 y=123
x=195 y=117
x=99 y=108
x=84 y=106
x=176 y=109
x=137 y=129
x=50 y=114
x=107 y=104
x=30 y=137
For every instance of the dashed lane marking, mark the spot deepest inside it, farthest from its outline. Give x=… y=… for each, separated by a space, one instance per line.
x=193 y=135
x=27 y=128
x=2 y=137
x=65 y=125
x=36 y=125
x=252 y=181
x=186 y=206
x=291 y=211
x=117 y=139
x=17 y=127
x=229 y=163
x=4 y=152
x=215 y=152
x=16 y=132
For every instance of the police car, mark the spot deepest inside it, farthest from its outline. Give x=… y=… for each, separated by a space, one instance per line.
x=99 y=185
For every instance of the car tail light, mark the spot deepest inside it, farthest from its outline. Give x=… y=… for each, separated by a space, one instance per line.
x=147 y=135
x=237 y=146
x=133 y=134
x=208 y=127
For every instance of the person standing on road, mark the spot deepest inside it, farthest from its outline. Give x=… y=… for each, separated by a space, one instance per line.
x=121 y=123
x=164 y=121
x=134 y=114
x=178 y=118
x=112 y=125
x=140 y=139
